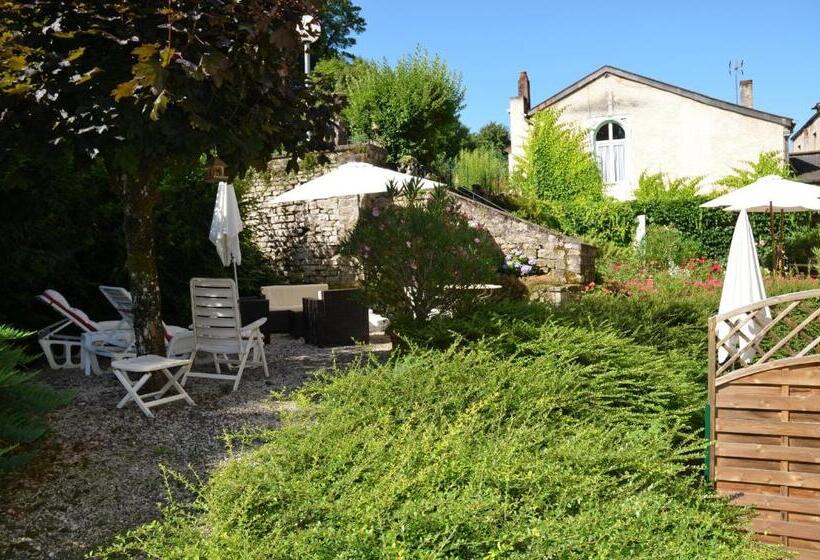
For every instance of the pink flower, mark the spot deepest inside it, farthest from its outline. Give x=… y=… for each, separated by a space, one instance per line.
x=376 y=212
x=477 y=240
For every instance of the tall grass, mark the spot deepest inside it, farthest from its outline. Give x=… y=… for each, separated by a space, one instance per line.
x=531 y=434
x=483 y=167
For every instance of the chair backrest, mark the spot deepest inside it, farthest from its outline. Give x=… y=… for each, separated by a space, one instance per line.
x=290 y=296
x=215 y=315
x=59 y=303
x=120 y=298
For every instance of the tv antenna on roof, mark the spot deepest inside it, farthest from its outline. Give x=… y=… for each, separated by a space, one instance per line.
x=735 y=70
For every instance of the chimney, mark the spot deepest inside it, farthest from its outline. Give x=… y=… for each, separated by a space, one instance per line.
x=746 y=94
x=524 y=90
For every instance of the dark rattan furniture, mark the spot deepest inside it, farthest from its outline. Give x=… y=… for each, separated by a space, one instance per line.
x=337 y=319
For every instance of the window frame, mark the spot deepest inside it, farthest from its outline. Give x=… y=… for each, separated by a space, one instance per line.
x=611 y=143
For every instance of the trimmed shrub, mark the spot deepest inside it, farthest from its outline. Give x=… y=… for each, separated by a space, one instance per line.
x=23 y=403
x=659 y=187
x=537 y=440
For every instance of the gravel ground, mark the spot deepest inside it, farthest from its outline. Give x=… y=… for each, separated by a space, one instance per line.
x=98 y=472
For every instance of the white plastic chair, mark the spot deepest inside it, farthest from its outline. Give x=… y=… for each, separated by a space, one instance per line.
x=53 y=336
x=178 y=340
x=218 y=331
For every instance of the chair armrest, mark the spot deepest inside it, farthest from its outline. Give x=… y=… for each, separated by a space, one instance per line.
x=255 y=325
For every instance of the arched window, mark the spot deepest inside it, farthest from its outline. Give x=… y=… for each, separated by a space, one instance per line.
x=610 y=149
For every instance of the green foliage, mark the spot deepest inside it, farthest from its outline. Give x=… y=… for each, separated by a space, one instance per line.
x=664 y=247
x=494 y=136
x=659 y=187
x=146 y=88
x=418 y=254
x=65 y=232
x=340 y=20
x=23 y=403
x=411 y=109
x=557 y=166
x=768 y=163
x=531 y=437
x=482 y=167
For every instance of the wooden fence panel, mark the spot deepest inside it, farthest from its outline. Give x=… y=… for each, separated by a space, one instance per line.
x=766 y=449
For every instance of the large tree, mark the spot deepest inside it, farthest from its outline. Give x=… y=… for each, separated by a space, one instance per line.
x=341 y=19
x=412 y=108
x=151 y=86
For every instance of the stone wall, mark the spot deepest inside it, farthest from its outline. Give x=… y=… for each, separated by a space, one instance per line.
x=567 y=259
x=302 y=239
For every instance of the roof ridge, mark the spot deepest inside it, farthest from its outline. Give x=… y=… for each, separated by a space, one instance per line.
x=658 y=84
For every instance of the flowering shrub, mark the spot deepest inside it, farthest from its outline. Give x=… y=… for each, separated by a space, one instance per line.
x=519 y=265
x=418 y=253
x=631 y=276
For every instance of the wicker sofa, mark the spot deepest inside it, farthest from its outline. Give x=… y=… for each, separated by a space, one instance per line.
x=285 y=304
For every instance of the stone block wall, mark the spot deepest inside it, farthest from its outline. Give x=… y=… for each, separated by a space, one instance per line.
x=567 y=259
x=302 y=239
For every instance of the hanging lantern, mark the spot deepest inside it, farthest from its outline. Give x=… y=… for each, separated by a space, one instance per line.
x=215 y=170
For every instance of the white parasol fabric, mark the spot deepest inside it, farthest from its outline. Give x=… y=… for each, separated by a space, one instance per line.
x=780 y=193
x=742 y=285
x=349 y=179
x=226 y=225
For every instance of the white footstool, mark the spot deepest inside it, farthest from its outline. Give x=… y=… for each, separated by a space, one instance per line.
x=146 y=365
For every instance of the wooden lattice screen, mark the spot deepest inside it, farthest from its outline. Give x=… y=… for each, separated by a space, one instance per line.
x=765 y=416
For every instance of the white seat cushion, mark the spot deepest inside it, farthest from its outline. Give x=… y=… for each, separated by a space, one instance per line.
x=289 y=297
x=149 y=362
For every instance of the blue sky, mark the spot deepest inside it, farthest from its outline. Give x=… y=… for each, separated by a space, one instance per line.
x=685 y=43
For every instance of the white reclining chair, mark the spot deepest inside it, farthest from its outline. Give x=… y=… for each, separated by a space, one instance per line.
x=218 y=331
x=178 y=340
x=118 y=334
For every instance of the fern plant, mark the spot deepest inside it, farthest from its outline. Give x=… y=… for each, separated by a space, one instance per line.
x=23 y=402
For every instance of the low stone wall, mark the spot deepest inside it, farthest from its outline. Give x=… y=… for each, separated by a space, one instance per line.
x=302 y=239
x=567 y=259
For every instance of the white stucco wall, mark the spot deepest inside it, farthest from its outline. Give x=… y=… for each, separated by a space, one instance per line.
x=667 y=132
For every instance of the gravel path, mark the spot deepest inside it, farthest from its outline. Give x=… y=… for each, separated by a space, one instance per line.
x=98 y=472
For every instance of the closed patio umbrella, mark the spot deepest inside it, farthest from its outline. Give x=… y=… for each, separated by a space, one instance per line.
x=225 y=227
x=742 y=285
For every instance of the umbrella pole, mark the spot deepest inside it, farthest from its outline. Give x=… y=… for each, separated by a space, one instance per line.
x=772 y=238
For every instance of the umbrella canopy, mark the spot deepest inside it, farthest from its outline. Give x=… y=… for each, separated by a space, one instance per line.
x=226 y=225
x=769 y=192
x=742 y=285
x=349 y=179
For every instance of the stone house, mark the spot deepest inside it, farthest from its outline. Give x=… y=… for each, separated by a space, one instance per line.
x=805 y=139
x=302 y=239
x=638 y=124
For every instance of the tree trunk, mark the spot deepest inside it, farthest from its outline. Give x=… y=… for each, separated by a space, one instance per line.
x=139 y=198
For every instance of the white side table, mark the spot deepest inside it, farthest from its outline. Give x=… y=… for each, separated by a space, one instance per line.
x=146 y=365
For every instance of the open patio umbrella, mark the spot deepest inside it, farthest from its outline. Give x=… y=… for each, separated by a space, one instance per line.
x=225 y=227
x=742 y=285
x=349 y=179
x=770 y=194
